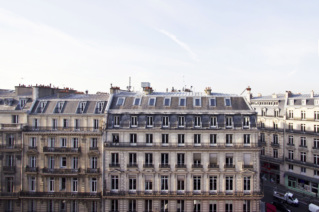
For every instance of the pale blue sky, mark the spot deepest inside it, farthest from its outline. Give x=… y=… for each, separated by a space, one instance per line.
x=270 y=45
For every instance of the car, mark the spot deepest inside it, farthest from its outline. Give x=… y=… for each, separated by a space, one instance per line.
x=281 y=207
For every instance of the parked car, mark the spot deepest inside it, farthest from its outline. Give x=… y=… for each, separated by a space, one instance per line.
x=313 y=208
x=270 y=208
x=286 y=197
x=281 y=207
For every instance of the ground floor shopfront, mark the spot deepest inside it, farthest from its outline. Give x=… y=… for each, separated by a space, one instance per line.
x=301 y=183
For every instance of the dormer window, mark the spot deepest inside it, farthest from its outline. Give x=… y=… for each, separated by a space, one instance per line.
x=22 y=102
x=182 y=102
x=291 y=102
x=151 y=102
x=303 y=102
x=120 y=101
x=227 y=102
x=197 y=102
x=82 y=107
x=137 y=101
x=99 y=107
x=167 y=102
x=59 y=107
x=212 y=102
x=8 y=101
x=41 y=106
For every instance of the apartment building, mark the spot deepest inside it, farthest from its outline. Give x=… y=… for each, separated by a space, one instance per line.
x=62 y=152
x=289 y=135
x=14 y=105
x=180 y=151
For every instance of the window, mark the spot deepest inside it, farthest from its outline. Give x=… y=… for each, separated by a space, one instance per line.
x=196 y=206
x=35 y=123
x=229 y=121
x=74 y=206
x=246 y=183
x=164 y=159
x=65 y=123
x=303 y=142
x=303 y=170
x=63 y=162
x=197 y=138
x=197 y=121
x=63 y=142
x=197 y=102
x=164 y=205
x=290 y=114
x=149 y=138
x=181 y=121
x=115 y=159
x=115 y=137
x=227 y=102
x=51 y=162
x=148 y=205
x=93 y=183
x=9 y=184
x=149 y=121
x=275 y=153
x=213 y=138
x=303 y=114
x=229 y=183
x=291 y=154
x=148 y=158
x=93 y=162
x=164 y=138
x=246 y=206
x=165 y=121
x=132 y=184
x=302 y=127
x=229 y=160
x=180 y=183
x=74 y=187
x=164 y=183
x=316 y=159
x=133 y=121
x=82 y=106
x=291 y=126
x=275 y=124
x=133 y=138
x=77 y=124
x=31 y=205
x=151 y=102
x=291 y=102
x=137 y=101
x=197 y=183
x=262 y=137
x=316 y=115
x=276 y=113
x=99 y=107
x=264 y=112
x=94 y=142
x=212 y=207
x=10 y=160
x=15 y=119
x=316 y=173
x=316 y=143
x=262 y=151
x=167 y=102
x=290 y=167
x=10 y=141
x=182 y=102
x=246 y=121
x=120 y=101
x=213 y=121
x=114 y=205
x=132 y=158
x=212 y=102
x=62 y=183
x=181 y=138
x=197 y=159
x=51 y=184
x=132 y=205
x=316 y=128
x=96 y=124
x=303 y=156
x=148 y=183
x=33 y=161
x=116 y=121
x=180 y=158
x=229 y=138
x=75 y=142
x=75 y=162
x=246 y=138
x=213 y=183
x=275 y=138
x=54 y=124
x=33 y=142
x=94 y=206
x=180 y=205
x=32 y=183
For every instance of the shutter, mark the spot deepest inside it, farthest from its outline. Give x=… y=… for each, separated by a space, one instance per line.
x=180 y=177
x=148 y=177
x=247 y=159
x=197 y=156
x=213 y=158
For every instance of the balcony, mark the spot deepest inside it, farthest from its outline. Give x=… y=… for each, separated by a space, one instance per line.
x=63 y=129
x=9 y=194
x=312 y=165
x=10 y=148
x=229 y=166
x=213 y=166
x=31 y=169
x=271 y=159
x=148 y=165
x=61 y=171
x=32 y=150
x=290 y=144
x=275 y=144
x=93 y=171
x=62 y=149
x=94 y=151
x=180 y=166
x=132 y=165
x=164 y=166
x=245 y=166
x=197 y=166
x=114 y=165
x=9 y=169
x=302 y=147
x=61 y=194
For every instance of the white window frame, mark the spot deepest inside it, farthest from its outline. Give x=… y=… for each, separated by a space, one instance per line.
x=181 y=121
x=180 y=102
x=134 y=121
x=93 y=184
x=74 y=187
x=213 y=121
x=120 y=101
x=149 y=101
x=139 y=99
x=229 y=102
x=116 y=121
x=197 y=121
x=199 y=102
x=169 y=102
x=149 y=121
x=165 y=121
x=210 y=102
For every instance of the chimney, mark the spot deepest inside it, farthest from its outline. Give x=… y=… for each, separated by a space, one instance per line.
x=274 y=96
x=312 y=93
x=114 y=90
x=248 y=96
x=208 y=91
x=259 y=95
x=288 y=94
x=86 y=92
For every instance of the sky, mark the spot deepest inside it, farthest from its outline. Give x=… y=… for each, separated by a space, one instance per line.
x=270 y=45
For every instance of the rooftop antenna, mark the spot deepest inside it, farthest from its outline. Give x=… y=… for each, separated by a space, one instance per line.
x=129 y=87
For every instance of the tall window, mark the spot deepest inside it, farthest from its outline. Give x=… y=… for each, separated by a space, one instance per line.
x=213 y=121
x=181 y=121
x=94 y=142
x=303 y=156
x=316 y=143
x=165 y=121
x=197 y=121
x=149 y=121
x=74 y=187
x=77 y=124
x=303 y=141
x=62 y=183
x=148 y=158
x=148 y=205
x=302 y=127
x=133 y=121
x=116 y=121
x=51 y=184
x=10 y=141
x=229 y=160
x=54 y=124
x=275 y=153
x=275 y=139
x=246 y=206
x=180 y=158
x=197 y=183
x=93 y=162
x=229 y=138
x=164 y=183
x=75 y=162
x=93 y=182
x=33 y=142
x=148 y=183
x=95 y=124
x=197 y=206
x=291 y=139
x=114 y=205
x=290 y=114
x=15 y=119
x=246 y=138
x=132 y=205
x=291 y=154
x=246 y=121
x=132 y=159
x=33 y=161
x=197 y=138
x=229 y=183
x=181 y=138
x=164 y=138
x=303 y=114
x=180 y=205
x=213 y=183
x=229 y=121
x=65 y=123
x=10 y=160
x=164 y=159
x=149 y=138
x=316 y=115
x=63 y=162
x=276 y=113
x=75 y=143
x=180 y=183
x=32 y=183
x=213 y=138
x=74 y=206
x=133 y=138
x=63 y=142
x=316 y=159
x=164 y=205
x=132 y=184
x=212 y=207
x=51 y=162
x=316 y=128
x=246 y=183
x=115 y=159
x=9 y=184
